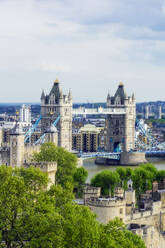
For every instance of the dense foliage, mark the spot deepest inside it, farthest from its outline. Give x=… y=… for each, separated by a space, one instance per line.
x=142 y=177
x=67 y=171
x=33 y=217
x=80 y=177
x=107 y=180
x=66 y=162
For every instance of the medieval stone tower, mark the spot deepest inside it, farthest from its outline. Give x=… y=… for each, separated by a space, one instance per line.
x=120 y=126
x=57 y=105
x=17 y=146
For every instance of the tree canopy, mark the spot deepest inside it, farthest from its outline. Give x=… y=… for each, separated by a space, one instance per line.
x=115 y=235
x=33 y=217
x=107 y=180
x=142 y=177
x=66 y=162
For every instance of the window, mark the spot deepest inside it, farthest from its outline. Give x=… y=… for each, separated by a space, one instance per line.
x=121 y=210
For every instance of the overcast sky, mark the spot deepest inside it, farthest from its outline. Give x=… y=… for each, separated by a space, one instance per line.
x=89 y=45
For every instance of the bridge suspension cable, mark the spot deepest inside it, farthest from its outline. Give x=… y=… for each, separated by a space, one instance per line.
x=29 y=133
x=41 y=140
x=151 y=142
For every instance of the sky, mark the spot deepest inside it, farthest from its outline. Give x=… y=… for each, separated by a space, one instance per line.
x=89 y=45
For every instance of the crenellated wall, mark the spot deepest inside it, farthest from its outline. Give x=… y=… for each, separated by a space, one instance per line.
x=48 y=167
x=107 y=209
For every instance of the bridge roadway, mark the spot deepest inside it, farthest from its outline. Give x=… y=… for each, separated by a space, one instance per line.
x=116 y=155
x=98 y=111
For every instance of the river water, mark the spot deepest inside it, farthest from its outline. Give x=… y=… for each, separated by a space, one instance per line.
x=93 y=168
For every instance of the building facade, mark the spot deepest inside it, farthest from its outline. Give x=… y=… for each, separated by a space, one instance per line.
x=88 y=139
x=25 y=115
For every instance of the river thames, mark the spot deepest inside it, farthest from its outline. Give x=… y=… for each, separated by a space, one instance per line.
x=93 y=168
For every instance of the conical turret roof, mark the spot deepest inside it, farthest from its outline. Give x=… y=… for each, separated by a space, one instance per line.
x=55 y=90
x=43 y=95
x=120 y=93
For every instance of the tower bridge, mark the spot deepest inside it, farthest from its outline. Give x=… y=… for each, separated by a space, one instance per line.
x=120 y=115
x=56 y=110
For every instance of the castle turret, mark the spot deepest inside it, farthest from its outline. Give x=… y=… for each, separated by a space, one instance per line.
x=16 y=146
x=130 y=197
x=106 y=209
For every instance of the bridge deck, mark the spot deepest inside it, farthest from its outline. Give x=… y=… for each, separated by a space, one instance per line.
x=98 y=111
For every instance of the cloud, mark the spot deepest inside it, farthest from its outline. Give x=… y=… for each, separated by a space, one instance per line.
x=54 y=68
x=89 y=45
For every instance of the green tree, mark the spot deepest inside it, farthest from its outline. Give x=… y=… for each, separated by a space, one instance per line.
x=107 y=180
x=79 y=223
x=160 y=175
x=125 y=174
x=80 y=177
x=143 y=177
x=115 y=235
x=66 y=162
x=142 y=181
x=151 y=169
x=33 y=217
x=27 y=216
x=80 y=227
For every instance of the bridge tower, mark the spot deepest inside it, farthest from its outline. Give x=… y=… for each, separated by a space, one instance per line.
x=120 y=126
x=57 y=104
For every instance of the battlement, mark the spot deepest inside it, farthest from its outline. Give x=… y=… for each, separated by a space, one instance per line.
x=44 y=166
x=106 y=202
x=47 y=167
x=92 y=190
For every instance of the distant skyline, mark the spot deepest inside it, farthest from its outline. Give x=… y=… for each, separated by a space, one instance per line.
x=89 y=45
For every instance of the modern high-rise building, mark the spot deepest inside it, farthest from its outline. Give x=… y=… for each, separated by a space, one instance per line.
x=25 y=114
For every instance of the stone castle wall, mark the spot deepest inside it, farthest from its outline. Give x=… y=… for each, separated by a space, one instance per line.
x=47 y=167
x=29 y=150
x=5 y=155
x=106 y=209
